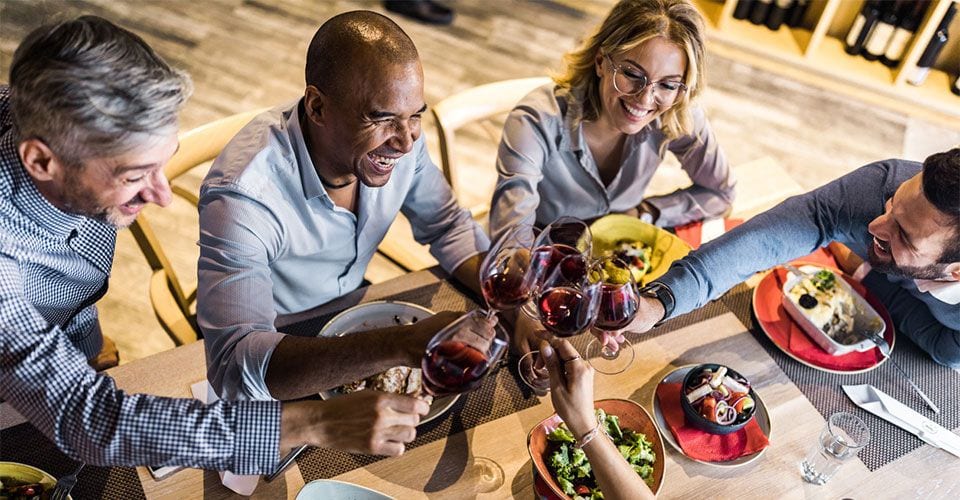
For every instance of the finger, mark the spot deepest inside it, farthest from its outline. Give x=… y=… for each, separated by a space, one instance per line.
x=403 y=406
x=399 y=433
x=389 y=448
x=565 y=349
x=554 y=370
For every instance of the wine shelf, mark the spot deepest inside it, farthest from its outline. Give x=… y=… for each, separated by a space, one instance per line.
x=811 y=54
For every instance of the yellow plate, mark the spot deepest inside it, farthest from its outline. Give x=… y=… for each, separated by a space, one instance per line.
x=608 y=230
x=26 y=473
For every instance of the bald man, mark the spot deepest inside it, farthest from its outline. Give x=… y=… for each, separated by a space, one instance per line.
x=296 y=205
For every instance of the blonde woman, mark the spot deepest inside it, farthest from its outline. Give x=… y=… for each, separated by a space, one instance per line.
x=589 y=143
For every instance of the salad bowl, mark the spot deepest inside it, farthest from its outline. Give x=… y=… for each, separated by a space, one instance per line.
x=731 y=381
x=631 y=416
x=613 y=229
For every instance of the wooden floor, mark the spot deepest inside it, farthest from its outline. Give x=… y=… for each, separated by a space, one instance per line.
x=244 y=54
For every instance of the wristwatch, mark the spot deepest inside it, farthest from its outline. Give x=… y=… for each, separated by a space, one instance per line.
x=661 y=292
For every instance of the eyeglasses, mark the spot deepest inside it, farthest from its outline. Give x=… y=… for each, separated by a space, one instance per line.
x=629 y=81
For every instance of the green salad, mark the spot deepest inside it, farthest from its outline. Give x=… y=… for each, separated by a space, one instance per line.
x=572 y=469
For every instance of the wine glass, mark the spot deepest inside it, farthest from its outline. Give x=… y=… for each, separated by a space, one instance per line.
x=504 y=278
x=619 y=303
x=460 y=355
x=567 y=304
x=566 y=236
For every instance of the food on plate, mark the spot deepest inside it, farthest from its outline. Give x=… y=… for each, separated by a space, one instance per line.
x=827 y=305
x=397 y=380
x=720 y=395
x=15 y=489
x=572 y=470
x=635 y=254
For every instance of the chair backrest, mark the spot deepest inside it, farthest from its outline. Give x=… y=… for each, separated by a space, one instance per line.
x=474 y=105
x=171 y=302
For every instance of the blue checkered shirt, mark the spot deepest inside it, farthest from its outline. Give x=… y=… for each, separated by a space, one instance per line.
x=52 y=264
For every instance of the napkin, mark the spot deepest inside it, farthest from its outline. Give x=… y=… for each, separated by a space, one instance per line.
x=801 y=345
x=242 y=485
x=699 y=232
x=701 y=445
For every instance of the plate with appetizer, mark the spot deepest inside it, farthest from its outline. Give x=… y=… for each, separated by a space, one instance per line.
x=711 y=414
x=818 y=317
x=562 y=471
x=24 y=481
x=646 y=248
x=399 y=379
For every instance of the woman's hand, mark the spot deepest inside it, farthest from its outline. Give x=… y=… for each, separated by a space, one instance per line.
x=571 y=386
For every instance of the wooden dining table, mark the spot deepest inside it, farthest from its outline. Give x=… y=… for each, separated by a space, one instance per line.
x=454 y=466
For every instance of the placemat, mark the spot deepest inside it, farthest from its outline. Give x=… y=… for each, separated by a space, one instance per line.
x=887 y=441
x=501 y=394
x=25 y=444
x=495 y=398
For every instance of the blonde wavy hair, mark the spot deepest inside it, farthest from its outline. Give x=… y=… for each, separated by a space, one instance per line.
x=629 y=24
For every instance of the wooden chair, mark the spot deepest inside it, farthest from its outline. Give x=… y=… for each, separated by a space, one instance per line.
x=480 y=106
x=172 y=303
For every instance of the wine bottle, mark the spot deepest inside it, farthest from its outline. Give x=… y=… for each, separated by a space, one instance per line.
x=910 y=17
x=795 y=18
x=758 y=14
x=862 y=26
x=919 y=74
x=777 y=14
x=880 y=35
x=742 y=10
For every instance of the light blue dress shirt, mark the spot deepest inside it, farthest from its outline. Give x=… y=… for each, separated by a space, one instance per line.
x=273 y=242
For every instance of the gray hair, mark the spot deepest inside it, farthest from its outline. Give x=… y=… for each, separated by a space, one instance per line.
x=88 y=88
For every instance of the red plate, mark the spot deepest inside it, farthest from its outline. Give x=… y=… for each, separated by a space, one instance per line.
x=794 y=342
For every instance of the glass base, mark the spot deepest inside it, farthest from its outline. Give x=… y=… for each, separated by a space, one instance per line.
x=610 y=363
x=537 y=377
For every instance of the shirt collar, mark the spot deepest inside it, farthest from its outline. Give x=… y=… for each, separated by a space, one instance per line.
x=26 y=196
x=309 y=177
x=572 y=101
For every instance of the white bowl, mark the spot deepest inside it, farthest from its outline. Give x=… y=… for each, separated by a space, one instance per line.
x=865 y=316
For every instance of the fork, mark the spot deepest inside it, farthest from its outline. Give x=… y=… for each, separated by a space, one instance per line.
x=65 y=484
x=885 y=351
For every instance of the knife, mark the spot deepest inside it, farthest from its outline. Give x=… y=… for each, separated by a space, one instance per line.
x=888 y=408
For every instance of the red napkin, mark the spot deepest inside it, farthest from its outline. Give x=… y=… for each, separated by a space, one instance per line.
x=702 y=445
x=786 y=332
x=691 y=232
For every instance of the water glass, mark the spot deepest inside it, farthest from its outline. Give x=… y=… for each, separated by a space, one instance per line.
x=843 y=437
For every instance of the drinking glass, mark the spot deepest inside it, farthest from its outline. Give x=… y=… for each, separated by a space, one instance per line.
x=460 y=355
x=619 y=303
x=505 y=279
x=567 y=304
x=843 y=437
x=564 y=237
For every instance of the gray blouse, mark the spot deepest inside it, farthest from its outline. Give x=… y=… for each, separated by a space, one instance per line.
x=546 y=169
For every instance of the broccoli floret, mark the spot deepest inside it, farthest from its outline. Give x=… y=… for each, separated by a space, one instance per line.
x=561 y=435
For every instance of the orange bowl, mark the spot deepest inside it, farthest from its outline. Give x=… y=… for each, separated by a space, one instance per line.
x=632 y=416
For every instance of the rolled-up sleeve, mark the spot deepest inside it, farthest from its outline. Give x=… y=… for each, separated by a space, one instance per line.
x=520 y=159
x=235 y=307
x=437 y=219
x=704 y=161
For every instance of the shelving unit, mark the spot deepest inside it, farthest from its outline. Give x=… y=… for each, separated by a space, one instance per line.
x=815 y=53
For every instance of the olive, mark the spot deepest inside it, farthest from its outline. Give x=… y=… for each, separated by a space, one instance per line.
x=808 y=301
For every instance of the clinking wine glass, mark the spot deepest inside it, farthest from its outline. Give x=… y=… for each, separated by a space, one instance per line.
x=564 y=237
x=505 y=279
x=567 y=304
x=619 y=303
x=460 y=355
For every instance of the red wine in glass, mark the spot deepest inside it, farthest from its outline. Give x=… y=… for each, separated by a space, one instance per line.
x=565 y=311
x=618 y=307
x=453 y=367
x=547 y=258
x=505 y=291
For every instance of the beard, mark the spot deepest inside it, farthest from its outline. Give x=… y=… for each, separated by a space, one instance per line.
x=928 y=272
x=81 y=200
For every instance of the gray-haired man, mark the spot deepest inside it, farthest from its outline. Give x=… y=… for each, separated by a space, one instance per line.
x=86 y=125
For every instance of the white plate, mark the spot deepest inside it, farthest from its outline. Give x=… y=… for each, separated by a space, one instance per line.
x=381 y=314
x=326 y=489
x=676 y=377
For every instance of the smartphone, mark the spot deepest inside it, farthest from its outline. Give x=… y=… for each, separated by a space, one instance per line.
x=159 y=473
